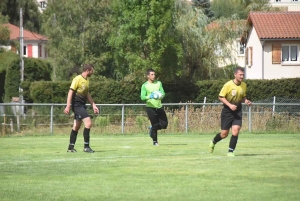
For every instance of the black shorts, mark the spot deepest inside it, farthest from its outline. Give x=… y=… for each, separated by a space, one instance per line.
x=157 y=117
x=230 y=118
x=80 y=113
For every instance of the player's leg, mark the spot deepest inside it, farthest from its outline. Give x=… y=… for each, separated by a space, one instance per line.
x=226 y=121
x=153 y=117
x=235 y=129
x=163 y=120
x=73 y=135
x=84 y=116
x=86 y=134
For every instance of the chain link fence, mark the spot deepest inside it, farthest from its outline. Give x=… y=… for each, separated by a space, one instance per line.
x=273 y=115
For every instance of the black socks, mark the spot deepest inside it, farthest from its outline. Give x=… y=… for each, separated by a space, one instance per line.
x=232 y=143
x=217 y=138
x=73 y=137
x=86 y=137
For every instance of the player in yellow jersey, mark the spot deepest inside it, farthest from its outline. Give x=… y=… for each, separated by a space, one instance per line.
x=232 y=95
x=77 y=97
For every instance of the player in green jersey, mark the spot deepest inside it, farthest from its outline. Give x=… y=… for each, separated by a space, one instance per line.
x=154 y=109
x=77 y=97
x=232 y=95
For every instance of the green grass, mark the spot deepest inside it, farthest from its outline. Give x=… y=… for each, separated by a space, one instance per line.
x=128 y=167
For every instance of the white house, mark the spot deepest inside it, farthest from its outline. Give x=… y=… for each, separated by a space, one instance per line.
x=34 y=44
x=272 y=45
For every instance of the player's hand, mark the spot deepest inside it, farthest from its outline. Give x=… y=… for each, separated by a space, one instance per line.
x=96 y=110
x=151 y=96
x=249 y=103
x=67 y=110
x=233 y=107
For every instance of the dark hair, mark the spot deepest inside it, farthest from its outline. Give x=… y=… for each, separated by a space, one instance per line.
x=238 y=69
x=150 y=70
x=86 y=67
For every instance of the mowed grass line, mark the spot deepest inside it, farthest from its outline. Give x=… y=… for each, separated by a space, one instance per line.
x=128 y=167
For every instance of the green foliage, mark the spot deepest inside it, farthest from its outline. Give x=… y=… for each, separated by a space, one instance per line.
x=4 y=31
x=31 y=15
x=102 y=121
x=34 y=70
x=6 y=58
x=145 y=37
x=204 y=5
x=78 y=32
x=239 y=8
x=12 y=80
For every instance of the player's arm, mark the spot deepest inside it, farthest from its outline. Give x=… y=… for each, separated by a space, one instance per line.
x=91 y=101
x=161 y=89
x=144 y=96
x=227 y=103
x=69 y=99
x=246 y=101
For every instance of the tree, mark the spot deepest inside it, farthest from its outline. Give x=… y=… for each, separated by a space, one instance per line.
x=205 y=6
x=229 y=8
x=145 y=37
x=78 y=32
x=31 y=15
x=4 y=32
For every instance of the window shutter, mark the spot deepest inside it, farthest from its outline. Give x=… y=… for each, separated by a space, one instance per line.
x=246 y=56
x=251 y=56
x=276 y=54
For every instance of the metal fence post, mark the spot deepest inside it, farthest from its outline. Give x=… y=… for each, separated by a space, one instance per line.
x=274 y=101
x=123 y=112
x=186 y=118
x=51 y=120
x=249 y=120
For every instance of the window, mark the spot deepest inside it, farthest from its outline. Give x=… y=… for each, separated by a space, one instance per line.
x=241 y=49
x=278 y=0
x=24 y=50
x=289 y=53
x=43 y=4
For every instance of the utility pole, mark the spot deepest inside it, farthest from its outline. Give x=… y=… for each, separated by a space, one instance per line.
x=21 y=55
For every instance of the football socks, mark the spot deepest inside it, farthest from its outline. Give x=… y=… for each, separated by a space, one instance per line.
x=86 y=137
x=73 y=137
x=217 y=138
x=232 y=143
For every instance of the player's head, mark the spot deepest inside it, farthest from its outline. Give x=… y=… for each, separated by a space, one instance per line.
x=150 y=75
x=239 y=74
x=89 y=69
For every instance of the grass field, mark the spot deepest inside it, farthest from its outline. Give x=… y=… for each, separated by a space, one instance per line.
x=128 y=167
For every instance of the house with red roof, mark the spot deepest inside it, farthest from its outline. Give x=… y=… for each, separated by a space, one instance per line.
x=272 y=42
x=34 y=45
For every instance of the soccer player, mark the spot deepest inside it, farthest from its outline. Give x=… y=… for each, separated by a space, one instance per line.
x=232 y=95
x=77 y=96
x=154 y=109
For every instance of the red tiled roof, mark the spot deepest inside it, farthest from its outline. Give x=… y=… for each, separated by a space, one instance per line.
x=275 y=25
x=27 y=35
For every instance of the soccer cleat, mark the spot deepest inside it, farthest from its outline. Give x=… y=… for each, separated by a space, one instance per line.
x=230 y=154
x=88 y=150
x=211 y=147
x=150 y=131
x=72 y=150
x=155 y=144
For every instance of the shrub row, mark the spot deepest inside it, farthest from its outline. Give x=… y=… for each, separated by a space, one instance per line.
x=110 y=91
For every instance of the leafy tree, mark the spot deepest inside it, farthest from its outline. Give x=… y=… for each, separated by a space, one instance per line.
x=229 y=8
x=145 y=37
x=239 y=8
x=205 y=6
x=31 y=15
x=78 y=32
x=4 y=32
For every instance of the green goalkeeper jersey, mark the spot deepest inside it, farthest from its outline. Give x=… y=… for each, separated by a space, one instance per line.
x=147 y=89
